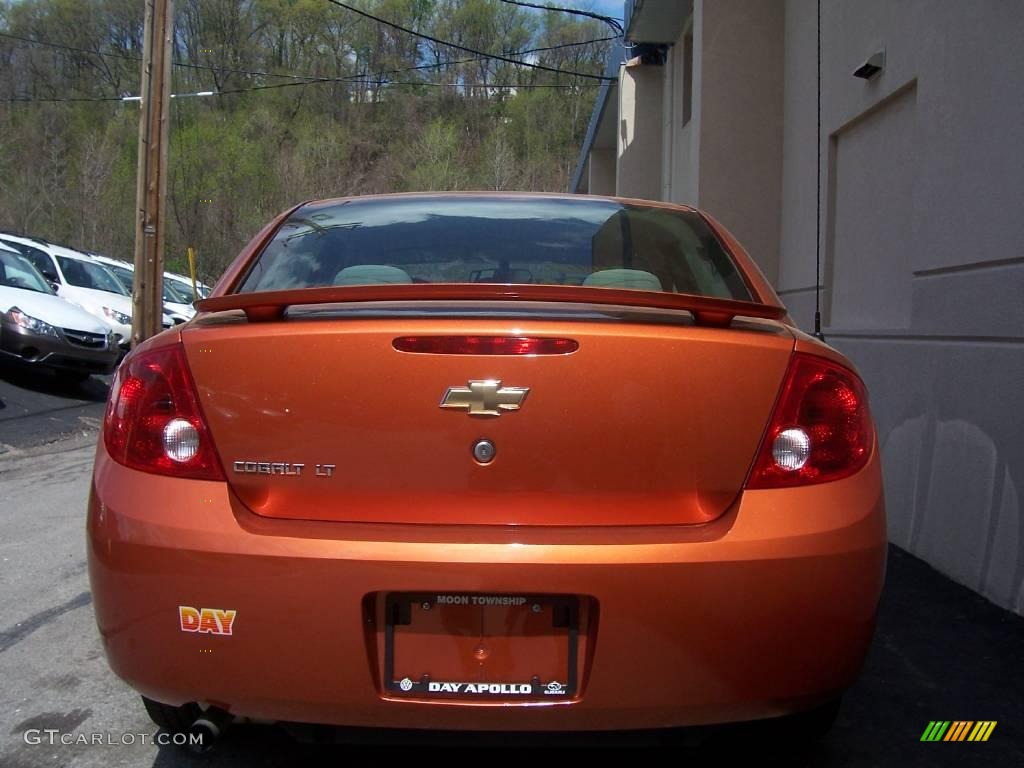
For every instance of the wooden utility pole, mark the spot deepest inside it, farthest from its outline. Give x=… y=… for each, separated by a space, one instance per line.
x=151 y=189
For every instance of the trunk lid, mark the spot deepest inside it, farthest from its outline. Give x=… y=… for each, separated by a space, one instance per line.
x=645 y=423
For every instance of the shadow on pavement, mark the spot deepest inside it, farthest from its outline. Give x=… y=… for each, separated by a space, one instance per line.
x=46 y=382
x=38 y=407
x=941 y=652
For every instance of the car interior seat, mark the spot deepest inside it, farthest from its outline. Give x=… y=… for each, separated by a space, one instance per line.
x=633 y=279
x=372 y=274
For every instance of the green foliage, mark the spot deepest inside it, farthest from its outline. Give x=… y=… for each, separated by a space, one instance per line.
x=434 y=160
x=67 y=170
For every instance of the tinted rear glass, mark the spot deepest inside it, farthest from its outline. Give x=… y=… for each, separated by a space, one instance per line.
x=542 y=241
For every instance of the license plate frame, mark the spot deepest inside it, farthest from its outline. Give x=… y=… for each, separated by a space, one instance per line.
x=399 y=608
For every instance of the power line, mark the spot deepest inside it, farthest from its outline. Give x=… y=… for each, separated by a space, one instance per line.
x=371 y=79
x=60 y=99
x=483 y=54
x=507 y=86
x=303 y=78
x=367 y=79
x=48 y=44
x=230 y=71
x=453 y=62
x=129 y=57
x=613 y=23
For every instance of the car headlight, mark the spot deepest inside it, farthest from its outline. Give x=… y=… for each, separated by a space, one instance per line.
x=117 y=317
x=33 y=324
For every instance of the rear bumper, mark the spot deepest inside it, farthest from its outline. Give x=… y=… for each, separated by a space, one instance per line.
x=766 y=611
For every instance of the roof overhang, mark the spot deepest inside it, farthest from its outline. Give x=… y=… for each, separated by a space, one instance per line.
x=656 y=21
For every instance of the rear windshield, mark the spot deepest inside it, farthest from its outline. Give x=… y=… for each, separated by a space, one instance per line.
x=521 y=240
x=85 y=274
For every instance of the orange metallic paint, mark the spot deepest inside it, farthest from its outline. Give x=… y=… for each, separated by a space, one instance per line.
x=700 y=602
x=765 y=610
x=671 y=442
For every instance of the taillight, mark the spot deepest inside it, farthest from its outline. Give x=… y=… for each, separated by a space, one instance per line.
x=153 y=420
x=821 y=429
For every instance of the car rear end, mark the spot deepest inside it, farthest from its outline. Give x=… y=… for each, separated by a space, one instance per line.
x=422 y=462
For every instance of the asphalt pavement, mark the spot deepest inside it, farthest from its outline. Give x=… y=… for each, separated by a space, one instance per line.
x=941 y=652
x=36 y=407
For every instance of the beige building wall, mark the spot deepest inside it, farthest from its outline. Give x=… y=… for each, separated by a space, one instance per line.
x=602 y=171
x=740 y=67
x=679 y=137
x=726 y=62
x=923 y=258
x=922 y=242
x=639 y=132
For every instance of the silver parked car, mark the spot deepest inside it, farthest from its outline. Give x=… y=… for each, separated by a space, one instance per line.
x=40 y=329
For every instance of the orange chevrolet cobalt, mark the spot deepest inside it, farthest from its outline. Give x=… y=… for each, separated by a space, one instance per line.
x=490 y=462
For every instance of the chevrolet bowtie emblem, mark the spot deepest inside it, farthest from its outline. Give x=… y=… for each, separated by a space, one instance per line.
x=485 y=398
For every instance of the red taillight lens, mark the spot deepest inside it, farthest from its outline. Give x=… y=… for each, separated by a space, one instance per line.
x=485 y=345
x=821 y=429
x=153 y=420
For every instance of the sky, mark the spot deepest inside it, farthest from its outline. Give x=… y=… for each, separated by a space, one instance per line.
x=611 y=8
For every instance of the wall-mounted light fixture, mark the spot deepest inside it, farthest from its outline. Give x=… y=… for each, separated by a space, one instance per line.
x=648 y=54
x=871 y=67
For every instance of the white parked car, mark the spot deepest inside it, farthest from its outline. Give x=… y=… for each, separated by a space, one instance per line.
x=177 y=300
x=41 y=330
x=82 y=281
x=181 y=281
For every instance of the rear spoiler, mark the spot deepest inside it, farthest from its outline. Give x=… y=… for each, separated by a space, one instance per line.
x=269 y=306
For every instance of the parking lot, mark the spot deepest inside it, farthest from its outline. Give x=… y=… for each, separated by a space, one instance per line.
x=941 y=652
x=37 y=408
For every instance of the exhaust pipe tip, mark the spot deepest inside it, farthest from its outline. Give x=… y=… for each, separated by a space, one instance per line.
x=207 y=729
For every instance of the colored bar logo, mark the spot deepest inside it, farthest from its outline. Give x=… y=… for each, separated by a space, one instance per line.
x=958 y=730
